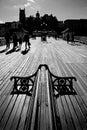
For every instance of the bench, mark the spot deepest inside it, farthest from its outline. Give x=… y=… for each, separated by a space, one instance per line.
x=44 y=88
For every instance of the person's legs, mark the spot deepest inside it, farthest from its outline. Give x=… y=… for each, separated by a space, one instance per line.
x=25 y=45
x=29 y=45
x=20 y=46
x=8 y=44
x=14 y=45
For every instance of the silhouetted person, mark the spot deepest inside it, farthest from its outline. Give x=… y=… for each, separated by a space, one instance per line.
x=14 y=41
x=72 y=37
x=68 y=37
x=43 y=37
x=7 y=38
x=56 y=36
x=27 y=42
x=20 y=42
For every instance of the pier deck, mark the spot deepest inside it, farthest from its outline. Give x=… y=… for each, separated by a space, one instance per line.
x=63 y=60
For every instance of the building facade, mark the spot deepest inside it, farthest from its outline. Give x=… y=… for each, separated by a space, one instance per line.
x=79 y=26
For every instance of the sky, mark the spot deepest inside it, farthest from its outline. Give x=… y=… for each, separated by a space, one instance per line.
x=62 y=9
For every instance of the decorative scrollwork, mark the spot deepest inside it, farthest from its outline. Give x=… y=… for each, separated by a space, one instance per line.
x=23 y=85
x=61 y=85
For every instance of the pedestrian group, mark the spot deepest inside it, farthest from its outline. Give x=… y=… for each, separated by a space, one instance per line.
x=17 y=41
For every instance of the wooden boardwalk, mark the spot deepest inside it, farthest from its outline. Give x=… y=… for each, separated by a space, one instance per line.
x=63 y=60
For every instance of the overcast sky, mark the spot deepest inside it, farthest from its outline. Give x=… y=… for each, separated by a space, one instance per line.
x=62 y=9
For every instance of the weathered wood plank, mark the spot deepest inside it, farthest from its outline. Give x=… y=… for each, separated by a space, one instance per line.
x=13 y=113
x=23 y=114
x=8 y=112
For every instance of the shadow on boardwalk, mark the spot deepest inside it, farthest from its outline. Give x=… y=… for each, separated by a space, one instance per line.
x=74 y=44
x=10 y=51
x=2 y=51
x=24 y=52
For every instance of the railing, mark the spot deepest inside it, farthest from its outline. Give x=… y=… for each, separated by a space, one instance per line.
x=81 y=39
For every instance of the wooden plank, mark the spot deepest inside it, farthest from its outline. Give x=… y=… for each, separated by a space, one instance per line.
x=13 y=113
x=16 y=120
x=15 y=125
x=79 y=95
x=42 y=102
x=23 y=114
x=74 y=116
x=14 y=74
x=62 y=115
x=44 y=110
x=33 y=119
x=79 y=114
x=5 y=80
x=70 y=122
x=81 y=80
x=64 y=104
x=50 y=123
x=4 y=106
x=80 y=117
x=8 y=112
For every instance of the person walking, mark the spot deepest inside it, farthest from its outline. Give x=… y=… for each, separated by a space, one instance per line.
x=7 y=38
x=14 y=41
x=20 y=42
x=68 y=37
x=27 y=43
x=72 y=36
